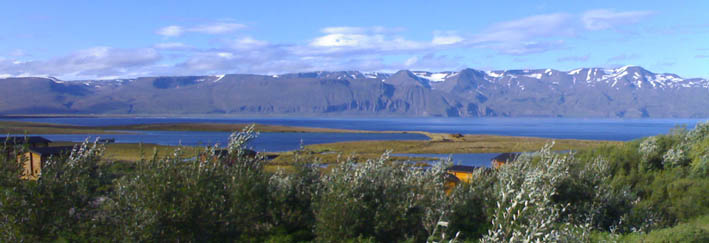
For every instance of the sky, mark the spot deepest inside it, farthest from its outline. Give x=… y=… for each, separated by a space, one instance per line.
x=76 y=40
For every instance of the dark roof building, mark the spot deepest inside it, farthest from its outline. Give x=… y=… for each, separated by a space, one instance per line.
x=462 y=173
x=47 y=151
x=504 y=158
x=19 y=140
x=462 y=168
x=35 y=158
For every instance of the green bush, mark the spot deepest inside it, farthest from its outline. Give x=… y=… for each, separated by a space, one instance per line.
x=389 y=202
x=171 y=199
x=650 y=190
x=63 y=203
x=290 y=205
x=471 y=206
x=695 y=231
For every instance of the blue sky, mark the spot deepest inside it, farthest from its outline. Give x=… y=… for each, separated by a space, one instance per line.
x=102 y=39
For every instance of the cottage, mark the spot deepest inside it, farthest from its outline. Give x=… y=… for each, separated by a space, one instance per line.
x=31 y=141
x=503 y=159
x=463 y=173
x=9 y=144
x=35 y=157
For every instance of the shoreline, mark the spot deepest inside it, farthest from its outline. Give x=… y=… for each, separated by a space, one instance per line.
x=437 y=143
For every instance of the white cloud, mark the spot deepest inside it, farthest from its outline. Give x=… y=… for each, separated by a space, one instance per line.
x=411 y=61
x=247 y=43
x=359 y=41
x=18 y=53
x=601 y=19
x=446 y=38
x=88 y=63
x=541 y=33
x=338 y=39
x=360 y=30
x=217 y=28
x=170 y=31
x=527 y=35
x=334 y=48
x=343 y=29
x=171 y=46
x=526 y=28
x=431 y=62
x=213 y=29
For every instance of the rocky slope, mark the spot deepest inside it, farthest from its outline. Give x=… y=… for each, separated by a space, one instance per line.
x=629 y=91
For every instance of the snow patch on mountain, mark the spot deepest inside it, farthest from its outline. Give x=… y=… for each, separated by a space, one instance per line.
x=575 y=71
x=535 y=75
x=434 y=77
x=494 y=74
x=219 y=77
x=56 y=80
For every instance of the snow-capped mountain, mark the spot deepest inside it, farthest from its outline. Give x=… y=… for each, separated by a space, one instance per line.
x=434 y=77
x=629 y=91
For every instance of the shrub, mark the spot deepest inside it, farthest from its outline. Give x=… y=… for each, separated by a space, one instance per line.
x=695 y=231
x=63 y=203
x=700 y=157
x=525 y=207
x=675 y=157
x=389 y=202
x=173 y=199
x=471 y=206
x=291 y=199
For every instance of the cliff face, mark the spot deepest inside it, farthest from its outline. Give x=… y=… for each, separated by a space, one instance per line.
x=586 y=92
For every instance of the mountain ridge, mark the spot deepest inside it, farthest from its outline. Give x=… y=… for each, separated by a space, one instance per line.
x=625 y=92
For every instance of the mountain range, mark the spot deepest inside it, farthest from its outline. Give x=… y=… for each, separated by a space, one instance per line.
x=626 y=92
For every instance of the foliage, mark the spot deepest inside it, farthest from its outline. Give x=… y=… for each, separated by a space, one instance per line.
x=695 y=231
x=63 y=203
x=291 y=202
x=526 y=210
x=217 y=199
x=471 y=205
x=390 y=202
x=649 y=190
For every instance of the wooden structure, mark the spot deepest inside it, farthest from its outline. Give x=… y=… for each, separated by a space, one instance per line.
x=463 y=173
x=10 y=145
x=503 y=159
x=35 y=158
x=31 y=141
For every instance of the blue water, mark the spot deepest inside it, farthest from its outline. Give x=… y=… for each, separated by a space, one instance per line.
x=270 y=142
x=598 y=129
x=477 y=160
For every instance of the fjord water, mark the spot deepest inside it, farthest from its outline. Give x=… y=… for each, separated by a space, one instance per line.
x=268 y=142
x=596 y=129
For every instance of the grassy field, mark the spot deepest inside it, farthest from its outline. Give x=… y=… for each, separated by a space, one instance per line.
x=696 y=230
x=466 y=144
x=13 y=127
x=439 y=143
x=131 y=152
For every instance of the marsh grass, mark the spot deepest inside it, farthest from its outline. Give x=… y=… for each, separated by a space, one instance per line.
x=132 y=152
